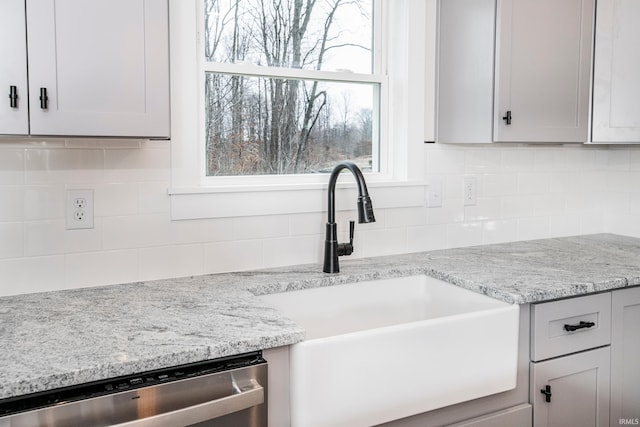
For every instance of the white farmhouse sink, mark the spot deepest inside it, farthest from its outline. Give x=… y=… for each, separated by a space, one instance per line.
x=381 y=350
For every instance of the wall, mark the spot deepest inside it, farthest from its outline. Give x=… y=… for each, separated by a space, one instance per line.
x=525 y=192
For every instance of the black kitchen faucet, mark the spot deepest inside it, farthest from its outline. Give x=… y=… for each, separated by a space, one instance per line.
x=333 y=249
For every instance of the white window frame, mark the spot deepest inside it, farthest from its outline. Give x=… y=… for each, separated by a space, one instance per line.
x=400 y=182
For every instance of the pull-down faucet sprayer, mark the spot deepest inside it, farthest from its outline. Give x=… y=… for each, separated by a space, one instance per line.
x=333 y=249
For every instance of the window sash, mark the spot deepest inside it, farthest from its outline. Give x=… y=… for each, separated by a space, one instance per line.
x=380 y=151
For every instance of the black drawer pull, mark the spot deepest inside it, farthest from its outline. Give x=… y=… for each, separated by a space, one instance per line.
x=13 y=97
x=580 y=325
x=44 y=99
x=547 y=393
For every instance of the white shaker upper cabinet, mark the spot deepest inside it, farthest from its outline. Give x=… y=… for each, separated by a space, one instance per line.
x=616 y=83
x=543 y=70
x=514 y=70
x=98 y=67
x=14 y=103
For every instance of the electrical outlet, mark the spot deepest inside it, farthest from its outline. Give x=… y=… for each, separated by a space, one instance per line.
x=79 y=209
x=470 y=194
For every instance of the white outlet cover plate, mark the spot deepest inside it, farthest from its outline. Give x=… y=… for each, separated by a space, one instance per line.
x=87 y=211
x=470 y=191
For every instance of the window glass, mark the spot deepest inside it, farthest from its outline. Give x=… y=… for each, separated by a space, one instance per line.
x=307 y=34
x=276 y=123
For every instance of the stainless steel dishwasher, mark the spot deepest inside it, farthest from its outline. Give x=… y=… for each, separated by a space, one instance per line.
x=228 y=392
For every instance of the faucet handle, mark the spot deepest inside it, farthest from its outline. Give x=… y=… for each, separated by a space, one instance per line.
x=347 y=248
x=352 y=228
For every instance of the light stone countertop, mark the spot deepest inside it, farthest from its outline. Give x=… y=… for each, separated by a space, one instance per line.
x=63 y=338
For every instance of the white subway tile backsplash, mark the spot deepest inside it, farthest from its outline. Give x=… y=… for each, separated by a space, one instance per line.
x=485 y=209
x=517 y=206
x=591 y=221
x=518 y=159
x=577 y=202
x=581 y=158
x=44 y=238
x=633 y=204
x=116 y=199
x=634 y=159
x=618 y=159
x=559 y=182
x=235 y=255
x=292 y=250
x=137 y=165
x=44 y=202
x=139 y=231
x=380 y=242
x=405 y=217
x=102 y=143
x=72 y=167
x=153 y=197
x=564 y=225
x=524 y=192
x=548 y=204
x=307 y=224
x=484 y=160
x=620 y=181
x=499 y=231
x=11 y=240
x=426 y=238
x=452 y=210
x=50 y=237
x=549 y=160
x=260 y=227
x=11 y=166
x=11 y=203
x=533 y=183
x=453 y=186
x=445 y=160
x=499 y=184
x=464 y=234
x=200 y=231
x=101 y=268
x=32 y=274
x=171 y=261
x=533 y=228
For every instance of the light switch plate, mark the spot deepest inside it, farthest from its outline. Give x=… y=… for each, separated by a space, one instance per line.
x=434 y=193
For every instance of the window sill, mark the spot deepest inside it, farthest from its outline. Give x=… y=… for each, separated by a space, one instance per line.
x=254 y=200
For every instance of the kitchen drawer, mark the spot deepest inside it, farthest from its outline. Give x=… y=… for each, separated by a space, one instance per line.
x=551 y=324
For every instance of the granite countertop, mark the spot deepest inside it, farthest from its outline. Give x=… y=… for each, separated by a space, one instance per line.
x=63 y=338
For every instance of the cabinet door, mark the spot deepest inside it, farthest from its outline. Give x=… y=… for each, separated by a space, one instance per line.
x=625 y=356
x=466 y=42
x=543 y=69
x=14 y=116
x=104 y=65
x=579 y=387
x=616 y=83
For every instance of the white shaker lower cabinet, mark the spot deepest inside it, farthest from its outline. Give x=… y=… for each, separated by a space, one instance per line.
x=98 y=67
x=625 y=357
x=616 y=82
x=570 y=362
x=14 y=103
x=576 y=390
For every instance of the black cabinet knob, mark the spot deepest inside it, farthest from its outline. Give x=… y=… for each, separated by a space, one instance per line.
x=13 y=96
x=507 y=118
